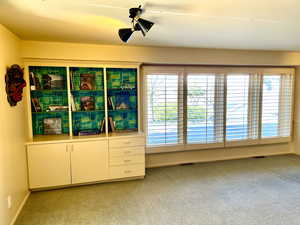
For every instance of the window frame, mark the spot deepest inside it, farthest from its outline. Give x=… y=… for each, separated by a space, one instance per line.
x=183 y=71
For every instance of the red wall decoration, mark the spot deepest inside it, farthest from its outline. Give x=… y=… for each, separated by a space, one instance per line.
x=15 y=83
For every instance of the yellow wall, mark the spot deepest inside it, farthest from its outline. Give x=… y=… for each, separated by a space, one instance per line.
x=297 y=112
x=74 y=51
x=13 y=171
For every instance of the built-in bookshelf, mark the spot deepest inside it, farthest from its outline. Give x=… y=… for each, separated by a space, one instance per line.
x=87 y=100
x=49 y=100
x=83 y=100
x=122 y=99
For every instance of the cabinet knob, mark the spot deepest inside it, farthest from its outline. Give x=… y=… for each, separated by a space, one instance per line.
x=127 y=171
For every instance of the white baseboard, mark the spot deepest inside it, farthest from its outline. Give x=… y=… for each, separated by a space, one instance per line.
x=176 y=158
x=20 y=209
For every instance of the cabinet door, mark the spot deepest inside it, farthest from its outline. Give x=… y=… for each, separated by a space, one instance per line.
x=89 y=161
x=48 y=165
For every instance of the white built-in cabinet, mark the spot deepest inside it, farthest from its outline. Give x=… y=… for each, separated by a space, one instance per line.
x=67 y=163
x=49 y=165
x=66 y=160
x=89 y=161
x=83 y=161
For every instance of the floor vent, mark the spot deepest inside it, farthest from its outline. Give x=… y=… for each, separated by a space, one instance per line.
x=187 y=164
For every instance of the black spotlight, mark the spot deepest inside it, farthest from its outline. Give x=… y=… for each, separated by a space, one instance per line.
x=125 y=34
x=138 y=24
x=145 y=25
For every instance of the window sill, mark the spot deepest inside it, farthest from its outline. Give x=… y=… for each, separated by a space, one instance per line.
x=194 y=147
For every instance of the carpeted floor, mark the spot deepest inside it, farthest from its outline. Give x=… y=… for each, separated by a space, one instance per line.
x=262 y=191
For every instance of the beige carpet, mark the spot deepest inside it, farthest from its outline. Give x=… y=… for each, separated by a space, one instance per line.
x=239 y=192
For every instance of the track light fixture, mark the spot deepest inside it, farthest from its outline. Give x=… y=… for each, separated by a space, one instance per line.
x=138 y=24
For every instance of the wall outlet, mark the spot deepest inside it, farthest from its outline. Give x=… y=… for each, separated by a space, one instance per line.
x=9 y=203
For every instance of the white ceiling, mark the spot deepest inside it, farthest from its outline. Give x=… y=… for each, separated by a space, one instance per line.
x=230 y=24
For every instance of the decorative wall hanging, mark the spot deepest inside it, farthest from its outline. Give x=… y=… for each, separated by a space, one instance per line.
x=15 y=83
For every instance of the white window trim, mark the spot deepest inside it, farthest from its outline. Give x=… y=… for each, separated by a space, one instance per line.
x=184 y=70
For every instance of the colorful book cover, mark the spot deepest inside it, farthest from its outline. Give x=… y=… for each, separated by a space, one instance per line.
x=36 y=82
x=52 y=126
x=36 y=105
x=57 y=82
x=122 y=102
x=87 y=81
x=87 y=103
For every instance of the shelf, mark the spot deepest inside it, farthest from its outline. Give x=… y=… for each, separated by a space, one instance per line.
x=49 y=90
x=126 y=133
x=50 y=112
x=122 y=110
x=89 y=111
x=87 y=90
x=116 y=79
x=120 y=89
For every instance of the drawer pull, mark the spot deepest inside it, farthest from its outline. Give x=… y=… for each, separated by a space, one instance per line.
x=127 y=152
x=127 y=160
x=127 y=143
x=127 y=171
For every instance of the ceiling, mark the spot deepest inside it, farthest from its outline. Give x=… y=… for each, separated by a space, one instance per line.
x=226 y=24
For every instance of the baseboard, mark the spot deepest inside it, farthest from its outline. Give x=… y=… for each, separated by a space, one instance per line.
x=20 y=209
x=216 y=159
x=87 y=183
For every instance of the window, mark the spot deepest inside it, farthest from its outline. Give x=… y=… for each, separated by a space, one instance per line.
x=270 y=106
x=277 y=106
x=237 y=107
x=203 y=107
x=163 y=120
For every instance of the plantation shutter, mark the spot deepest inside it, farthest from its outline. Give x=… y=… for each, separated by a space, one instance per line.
x=277 y=96
x=164 y=113
x=204 y=109
x=190 y=107
x=242 y=109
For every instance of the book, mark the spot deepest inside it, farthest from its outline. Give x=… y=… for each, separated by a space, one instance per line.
x=52 y=126
x=46 y=82
x=87 y=81
x=31 y=81
x=88 y=132
x=122 y=102
x=58 y=108
x=36 y=82
x=111 y=124
x=73 y=105
x=102 y=127
x=109 y=103
x=57 y=82
x=36 y=105
x=112 y=103
x=87 y=103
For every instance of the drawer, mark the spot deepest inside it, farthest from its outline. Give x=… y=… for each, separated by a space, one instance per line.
x=127 y=160
x=127 y=171
x=126 y=151
x=127 y=142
